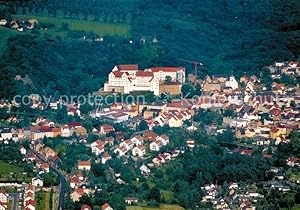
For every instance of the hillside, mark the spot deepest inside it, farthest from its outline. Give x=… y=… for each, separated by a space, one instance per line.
x=226 y=35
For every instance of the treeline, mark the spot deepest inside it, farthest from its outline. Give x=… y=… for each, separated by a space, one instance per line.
x=70 y=66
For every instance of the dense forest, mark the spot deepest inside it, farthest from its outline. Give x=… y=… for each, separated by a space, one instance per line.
x=226 y=35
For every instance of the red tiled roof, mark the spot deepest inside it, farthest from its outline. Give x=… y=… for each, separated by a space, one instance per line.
x=74 y=124
x=105 y=206
x=84 y=163
x=167 y=69
x=144 y=74
x=123 y=67
x=85 y=207
x=80 y=191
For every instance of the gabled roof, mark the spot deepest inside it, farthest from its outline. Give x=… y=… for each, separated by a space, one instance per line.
x=167 y=69
x=124 y=67
x=144 y=74
x=105 y=206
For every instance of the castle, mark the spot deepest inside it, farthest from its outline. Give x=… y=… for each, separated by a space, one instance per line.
x=128 y=78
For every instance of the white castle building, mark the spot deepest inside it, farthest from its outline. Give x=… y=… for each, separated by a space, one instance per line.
x=128 y=78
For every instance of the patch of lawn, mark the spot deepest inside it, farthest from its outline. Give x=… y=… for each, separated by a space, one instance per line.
x=6 y=168
x=162 y=207
x=98 y=28
x=167 y=195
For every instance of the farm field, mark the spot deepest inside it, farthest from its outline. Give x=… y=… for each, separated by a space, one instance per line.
x=43 y=199
x=98 y=28
x=162 y=207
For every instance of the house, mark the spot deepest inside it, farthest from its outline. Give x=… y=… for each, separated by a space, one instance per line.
x=48 y=152
x=164 y=139
x=37 y=181
x=137 y=140
x=74 y=181
x=127 y=143
x=275 y=132
x=6 y=134
x=3 y=206
x=176 y=121
x=23 y=150
x=131 y=201
x=156 y=145
x=190 y=143
x=106 y=206
x=77 y=194
x=65 y=131
x=97 y=147
x=149 y=136
x=85 y=207
x=105 y=157
x=121 y=151
x=293 y=161
x=144 y=170
x=3 y=197
x=106 y=129
x=139 y=151
x=45 y=167
x=211 y=84
x=84 y=165
x=30 y=205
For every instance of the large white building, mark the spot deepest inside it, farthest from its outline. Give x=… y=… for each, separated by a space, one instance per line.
x=128 y=78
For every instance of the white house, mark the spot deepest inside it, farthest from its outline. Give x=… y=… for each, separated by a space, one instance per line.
x=156 y=145
x=232 y=83
x=6 y=134
x=65 y=131
x=121 y=151
x=139 y=151
x=127 y=143
x=97 y=147
x=84 y=165
x=105 y=157
x=23 y=150
x=3 y=197
x=37 y=181
x=164 y=139
x=137 y=140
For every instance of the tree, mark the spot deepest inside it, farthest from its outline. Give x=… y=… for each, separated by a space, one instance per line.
x=155 y=194
x=187 y=90
x=168 y=79
x=143 y=126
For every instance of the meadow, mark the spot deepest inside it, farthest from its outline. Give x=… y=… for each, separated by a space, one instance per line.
x=98 y=28
x=6 y=169
x=162 y=207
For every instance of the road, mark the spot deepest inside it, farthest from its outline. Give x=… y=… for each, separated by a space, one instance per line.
x=62 y=187
x=62 y=179
x=14 y=197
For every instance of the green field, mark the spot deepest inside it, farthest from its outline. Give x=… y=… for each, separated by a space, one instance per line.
x=98 y=28
x=43 y=199
x=6 y=169
x=162 y=207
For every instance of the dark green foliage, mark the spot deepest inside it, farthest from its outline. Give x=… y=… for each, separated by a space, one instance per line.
x=143 y=126
x=50 y=179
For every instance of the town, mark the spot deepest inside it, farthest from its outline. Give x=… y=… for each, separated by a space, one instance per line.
x=72 y=152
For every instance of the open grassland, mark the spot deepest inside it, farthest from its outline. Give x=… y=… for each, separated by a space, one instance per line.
x=6 y=168
x=98 y=28
x=162 y=207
